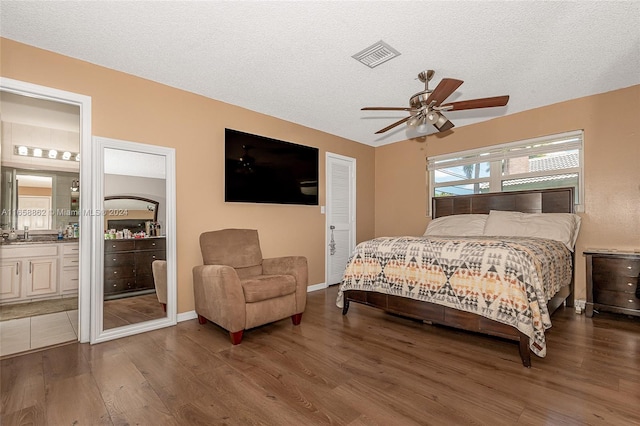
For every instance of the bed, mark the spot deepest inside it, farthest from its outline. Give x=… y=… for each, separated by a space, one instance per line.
x=500 y=285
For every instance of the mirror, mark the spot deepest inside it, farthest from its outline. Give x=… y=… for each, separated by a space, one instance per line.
x=43 y=200
x=130 y=213
x=135 y=221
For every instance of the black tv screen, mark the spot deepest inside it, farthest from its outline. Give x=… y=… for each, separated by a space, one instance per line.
x=264 y=170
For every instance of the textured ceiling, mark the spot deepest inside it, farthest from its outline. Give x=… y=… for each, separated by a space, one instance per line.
x=292 y=60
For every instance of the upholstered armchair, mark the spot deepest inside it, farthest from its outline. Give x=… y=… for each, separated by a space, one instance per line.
x=159 y=270
x=237 y=289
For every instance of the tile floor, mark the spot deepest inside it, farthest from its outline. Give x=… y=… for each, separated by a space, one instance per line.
x=23 y=334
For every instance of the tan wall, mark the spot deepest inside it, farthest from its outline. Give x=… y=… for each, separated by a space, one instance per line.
x=130 y=108
x=611 y=123
x=35 y=191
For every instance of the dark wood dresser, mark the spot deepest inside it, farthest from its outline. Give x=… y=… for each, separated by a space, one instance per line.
x=127 y=265
x=612 y=282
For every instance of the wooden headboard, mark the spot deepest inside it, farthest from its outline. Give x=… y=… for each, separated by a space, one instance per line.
x=556 y=200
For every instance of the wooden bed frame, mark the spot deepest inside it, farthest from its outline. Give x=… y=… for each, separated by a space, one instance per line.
x=559 y=200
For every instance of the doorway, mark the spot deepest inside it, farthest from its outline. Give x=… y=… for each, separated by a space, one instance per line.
x=52 y=272
x=341 y=214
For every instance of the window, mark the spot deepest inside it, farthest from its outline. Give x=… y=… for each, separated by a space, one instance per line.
x=553 y=161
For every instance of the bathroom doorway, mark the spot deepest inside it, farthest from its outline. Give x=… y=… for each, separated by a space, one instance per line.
x=39 y=197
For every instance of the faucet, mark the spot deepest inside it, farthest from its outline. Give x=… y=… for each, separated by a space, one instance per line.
x=26 y=232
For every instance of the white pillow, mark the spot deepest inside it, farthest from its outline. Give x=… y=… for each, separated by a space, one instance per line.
x=561 y=227
x=460 y=225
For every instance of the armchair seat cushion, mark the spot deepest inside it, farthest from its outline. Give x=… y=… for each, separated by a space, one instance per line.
x=264 y=287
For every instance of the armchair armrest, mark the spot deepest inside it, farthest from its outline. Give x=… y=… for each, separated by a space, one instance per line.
x=219 y=296
x=291 y=265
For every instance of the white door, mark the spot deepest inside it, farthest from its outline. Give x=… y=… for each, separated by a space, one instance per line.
x=341 y=214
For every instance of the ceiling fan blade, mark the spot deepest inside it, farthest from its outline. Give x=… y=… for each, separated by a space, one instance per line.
x=495 y=101
x=385 y=109
x=397 y=123
x=443 y=90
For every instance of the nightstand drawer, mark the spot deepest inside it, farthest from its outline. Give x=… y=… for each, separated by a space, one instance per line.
x=619 y=283
x=614 y=298
x=612 y=266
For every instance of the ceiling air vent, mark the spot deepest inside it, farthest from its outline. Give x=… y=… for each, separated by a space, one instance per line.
x=376 y=54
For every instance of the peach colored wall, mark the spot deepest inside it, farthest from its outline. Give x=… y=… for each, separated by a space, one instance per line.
x=611 y=123
x=131 y=108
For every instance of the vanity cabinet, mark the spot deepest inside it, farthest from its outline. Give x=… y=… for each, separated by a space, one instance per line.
x=29 y=272
x=69 y=277
x=40 y=274
x=127 y=265
x=10 y=279
x=38 y=271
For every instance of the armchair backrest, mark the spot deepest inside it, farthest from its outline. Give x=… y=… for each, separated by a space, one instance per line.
x=159 y=271
x=238 y=248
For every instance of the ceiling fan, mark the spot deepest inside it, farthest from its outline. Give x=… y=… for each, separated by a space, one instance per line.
x=427 y=106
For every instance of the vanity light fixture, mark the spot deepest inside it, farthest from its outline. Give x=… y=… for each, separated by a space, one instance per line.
x=53 y=154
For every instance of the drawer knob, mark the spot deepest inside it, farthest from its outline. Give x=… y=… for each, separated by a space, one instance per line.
x=115 y=272
x=630 y=284
x=115 y=285
x=114 y=259
x=630 y=300
x=628 y=267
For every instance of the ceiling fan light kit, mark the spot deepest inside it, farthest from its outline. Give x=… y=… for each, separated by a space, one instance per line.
x=426 y=106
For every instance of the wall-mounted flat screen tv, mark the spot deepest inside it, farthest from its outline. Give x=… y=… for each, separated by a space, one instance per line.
x=264 y=170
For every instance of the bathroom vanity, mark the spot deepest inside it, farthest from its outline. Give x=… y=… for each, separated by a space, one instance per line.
x=38 y=270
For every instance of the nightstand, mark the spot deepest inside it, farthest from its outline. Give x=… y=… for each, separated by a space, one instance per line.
x=613 y=279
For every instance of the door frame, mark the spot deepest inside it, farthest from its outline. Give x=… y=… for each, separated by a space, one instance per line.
x=86 y=250
x=329 y=156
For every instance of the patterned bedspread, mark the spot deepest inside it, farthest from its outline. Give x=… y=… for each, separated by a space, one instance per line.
x=508 y=280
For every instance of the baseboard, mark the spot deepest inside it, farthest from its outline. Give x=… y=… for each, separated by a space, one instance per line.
x=189 y=315
x=316 y=287
x=186 y=316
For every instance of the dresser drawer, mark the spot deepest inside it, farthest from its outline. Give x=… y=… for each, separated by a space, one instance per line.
x=119 y=259
x=118 y=245
x=118 y=286
x=614 y=298
x=150 y=244
x=144 y=282
x=115 y=272
x=145 y=259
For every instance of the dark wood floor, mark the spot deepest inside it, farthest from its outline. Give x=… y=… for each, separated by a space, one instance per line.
x=131 y=310
x=367 y=368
